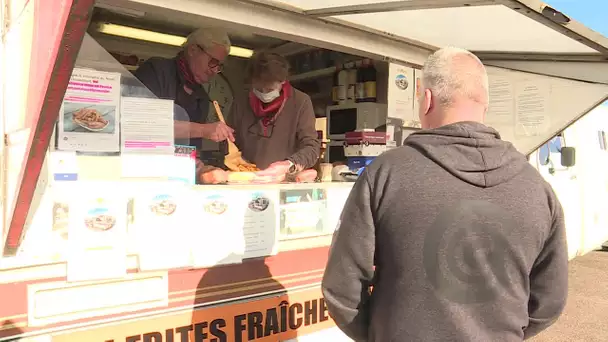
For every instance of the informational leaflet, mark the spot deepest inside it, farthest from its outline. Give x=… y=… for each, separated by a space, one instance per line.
x=532 y=117
x=502 y=101
x=146 y=125
x=146 y=137
x=89 y=118
x=401 y=91
x=97 y=232
x=261 y=224
x=217 y=236
x=163 y=222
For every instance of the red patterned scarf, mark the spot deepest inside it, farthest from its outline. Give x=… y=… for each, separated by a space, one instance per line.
x=185 y=72
x=268 y=112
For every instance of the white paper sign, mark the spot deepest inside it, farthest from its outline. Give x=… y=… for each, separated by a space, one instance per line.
x=163 y=226
x=401 y=90
x=261 y=224
x=97 y=232
x=532 y=117
x=146 y=125
x=217 y=235
x=502 y=101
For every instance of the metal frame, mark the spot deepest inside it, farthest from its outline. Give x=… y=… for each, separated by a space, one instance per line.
x=3 y=217
x=561 y=69
x=570 y=123
x=43 y=123
x=534 y=9
x=394 y=6
x=260 y=17
x=541 y=12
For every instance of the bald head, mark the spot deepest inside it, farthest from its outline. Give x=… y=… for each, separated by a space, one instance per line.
x=454 y=88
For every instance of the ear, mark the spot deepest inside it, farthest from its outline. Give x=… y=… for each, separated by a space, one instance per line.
x=190 y=50
x=427 y=101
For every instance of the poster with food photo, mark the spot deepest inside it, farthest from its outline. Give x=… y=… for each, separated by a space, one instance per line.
x=163 y=224
x=83 y=118
x=97 y=233
x=90 y=116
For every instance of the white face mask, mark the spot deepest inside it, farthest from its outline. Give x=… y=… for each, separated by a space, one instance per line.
x=267 y=97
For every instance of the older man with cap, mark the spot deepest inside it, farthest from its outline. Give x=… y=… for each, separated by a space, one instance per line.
x=181 y=79
x=453 y=236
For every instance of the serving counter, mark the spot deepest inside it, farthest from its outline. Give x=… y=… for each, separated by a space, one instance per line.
x=251 y=246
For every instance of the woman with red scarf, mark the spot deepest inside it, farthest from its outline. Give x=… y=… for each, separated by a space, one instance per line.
x=275 y=126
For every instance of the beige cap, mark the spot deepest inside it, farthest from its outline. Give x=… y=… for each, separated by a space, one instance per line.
x=207 y=37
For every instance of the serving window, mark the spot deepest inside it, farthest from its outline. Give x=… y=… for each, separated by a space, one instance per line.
x=119 y=190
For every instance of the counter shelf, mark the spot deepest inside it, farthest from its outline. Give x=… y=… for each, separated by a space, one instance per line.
x=307 y=215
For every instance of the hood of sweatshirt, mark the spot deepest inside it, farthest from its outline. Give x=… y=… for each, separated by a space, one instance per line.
x=470 y=151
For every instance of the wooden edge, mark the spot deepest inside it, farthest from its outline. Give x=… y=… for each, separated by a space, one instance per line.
x=44 y=118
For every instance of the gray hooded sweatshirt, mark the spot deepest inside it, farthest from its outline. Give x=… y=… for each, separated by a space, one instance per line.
x=460 y=238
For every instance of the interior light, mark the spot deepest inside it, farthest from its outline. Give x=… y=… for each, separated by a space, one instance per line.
x=160 y=38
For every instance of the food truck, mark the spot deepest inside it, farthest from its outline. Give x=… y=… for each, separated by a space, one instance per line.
x=108 y=234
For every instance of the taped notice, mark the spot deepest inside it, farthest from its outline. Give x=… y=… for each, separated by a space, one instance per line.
x=531 y=112
x=502 y=101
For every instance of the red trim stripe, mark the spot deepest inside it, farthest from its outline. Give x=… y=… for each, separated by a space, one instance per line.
x=58 y=33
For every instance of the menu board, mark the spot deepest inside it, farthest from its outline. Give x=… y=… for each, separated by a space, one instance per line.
x=217 y=232
x=97 y=232
x=261 y=224
x=162 y=223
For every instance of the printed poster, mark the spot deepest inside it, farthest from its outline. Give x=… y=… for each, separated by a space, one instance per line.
x=531 y=103
x=261 y=224
x=97 y=232
x=217 y=235
x=163 y=223
x=89 y=117
x=147 y=125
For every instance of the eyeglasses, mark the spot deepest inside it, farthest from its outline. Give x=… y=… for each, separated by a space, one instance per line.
x=214 y=64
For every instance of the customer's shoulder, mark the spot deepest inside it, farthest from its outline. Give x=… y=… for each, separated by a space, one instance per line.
x=400 y=158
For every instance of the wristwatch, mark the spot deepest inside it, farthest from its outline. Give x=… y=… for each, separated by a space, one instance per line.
x=292 y=166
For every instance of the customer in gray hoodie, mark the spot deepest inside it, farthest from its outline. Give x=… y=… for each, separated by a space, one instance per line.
x=459 y=236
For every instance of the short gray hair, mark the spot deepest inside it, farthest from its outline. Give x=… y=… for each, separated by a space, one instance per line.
x=208 y=37
x=452 y=73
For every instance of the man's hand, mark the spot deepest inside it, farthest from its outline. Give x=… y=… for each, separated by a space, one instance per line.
x=217 y=131
x=279 y=168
